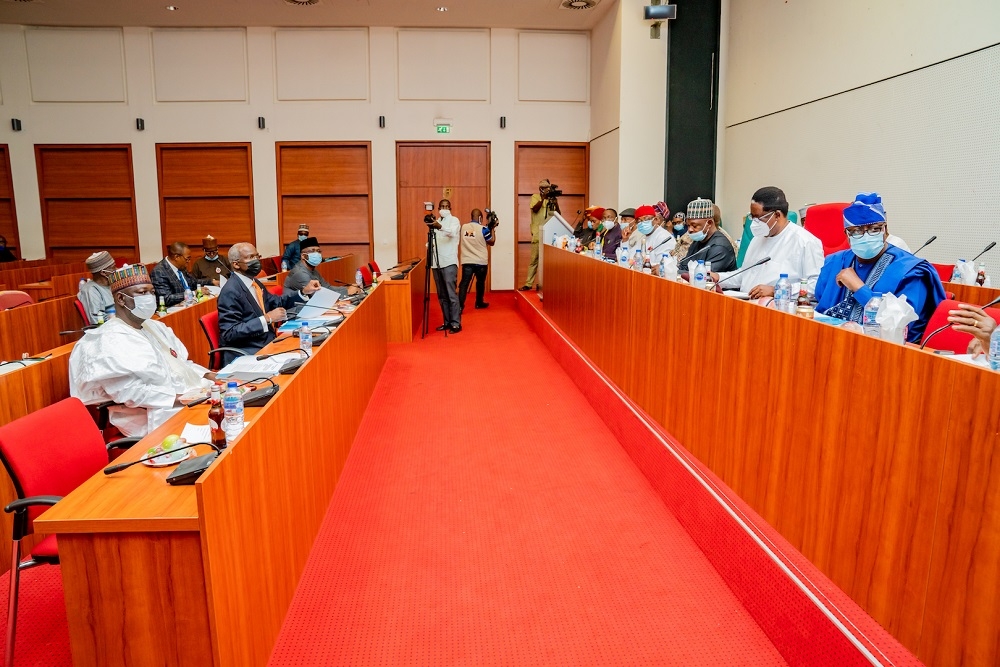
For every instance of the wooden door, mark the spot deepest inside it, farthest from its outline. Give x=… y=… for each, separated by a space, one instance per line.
x=88 y=200
x=205 y=189
x=564 y=164
x=430 y=172
x=328 y=186
x=8 y=213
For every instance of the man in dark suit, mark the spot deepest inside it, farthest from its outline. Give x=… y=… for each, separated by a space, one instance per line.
x=248 y=313
x=170 y=277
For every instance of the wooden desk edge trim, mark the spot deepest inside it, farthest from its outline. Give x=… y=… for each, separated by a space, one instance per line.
x=138 y=525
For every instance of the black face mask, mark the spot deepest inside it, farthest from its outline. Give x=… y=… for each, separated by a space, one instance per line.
x=253 y=268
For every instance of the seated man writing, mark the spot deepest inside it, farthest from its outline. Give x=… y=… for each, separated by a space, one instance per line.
x=247 y=311
x=850 y=277
x=305 y=271
x=133 y=360
x=793 y=250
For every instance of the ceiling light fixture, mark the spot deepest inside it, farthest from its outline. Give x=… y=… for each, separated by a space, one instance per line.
x=442 y=9
x=172 y=8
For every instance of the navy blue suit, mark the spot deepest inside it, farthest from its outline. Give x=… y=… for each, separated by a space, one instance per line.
x=239 y=316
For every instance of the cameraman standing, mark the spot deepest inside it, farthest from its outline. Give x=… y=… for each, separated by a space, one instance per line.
x=542 y=206
x=444 y=262
x=476 y=241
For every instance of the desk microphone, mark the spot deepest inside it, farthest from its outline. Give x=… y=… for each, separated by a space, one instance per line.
x=256 y=395
x=746 y=268
x=360 y=296
x=87 y=328
x=118 y=467
x=940 y=329
x=926 y=243
x=985 y=250
x=695 y=254
x=262 y=357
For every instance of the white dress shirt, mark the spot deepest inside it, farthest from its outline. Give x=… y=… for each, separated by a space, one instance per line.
x=658 y=243
x=447 y=239
x=794 y=251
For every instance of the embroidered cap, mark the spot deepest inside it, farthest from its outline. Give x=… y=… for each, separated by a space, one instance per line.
x=100 y=261
x=129 y=275
x=867 y=209
x=700 y=209
x=662 y=208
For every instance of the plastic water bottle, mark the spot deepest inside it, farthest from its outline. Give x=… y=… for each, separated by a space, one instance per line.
x=598 y=248
x=284 y=265
x=870 y=325
x=306 y=338
x=663 y=265
x=358 y=280
x=636 y=263
x=623 y=256
x=783 y=293
x=232 y=405
x=188 y=297
x=698 y=279
x=994 y=356
x=112 y=313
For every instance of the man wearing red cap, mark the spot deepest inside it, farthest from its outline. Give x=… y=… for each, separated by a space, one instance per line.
x=649 y=238
x=586 y=229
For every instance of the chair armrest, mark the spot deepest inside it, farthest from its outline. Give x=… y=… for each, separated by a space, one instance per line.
x=229 y=349
x=122 y=443
x=20 y=509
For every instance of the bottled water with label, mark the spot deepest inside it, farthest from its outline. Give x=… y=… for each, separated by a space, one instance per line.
x=623 y=256
x=232 y=405
x=306 y=338
x=358 y=280
x=188 y=297
x=783 y=294
x=698 y=279
x=871 y=326
x=598 y=248
x=995 y=349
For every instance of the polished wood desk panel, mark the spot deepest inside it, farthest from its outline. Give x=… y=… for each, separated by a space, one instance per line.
x=232 y=547
x=972 y=293
x=404 y=303
x=35 y=328
x=862 y=453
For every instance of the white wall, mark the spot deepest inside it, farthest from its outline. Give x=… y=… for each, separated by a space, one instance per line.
x=212 y=84
x=838 y=109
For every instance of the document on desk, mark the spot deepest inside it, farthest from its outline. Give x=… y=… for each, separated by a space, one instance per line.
x=980 y=361
x=249 y=368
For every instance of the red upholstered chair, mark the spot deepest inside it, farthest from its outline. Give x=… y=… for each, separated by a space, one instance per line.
x=82 y=311
x=270 y=265
x=14 y=298
x=366 y=274
x=45 y=464
x=210 y=325
x=944 y=270
x=276 y=290
x=949 y=339
x=373 y=267
x=826 y=222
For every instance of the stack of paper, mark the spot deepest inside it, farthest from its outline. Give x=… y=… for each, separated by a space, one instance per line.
x=249 y=368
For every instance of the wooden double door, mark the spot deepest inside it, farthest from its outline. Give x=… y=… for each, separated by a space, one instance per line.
x=430 y=172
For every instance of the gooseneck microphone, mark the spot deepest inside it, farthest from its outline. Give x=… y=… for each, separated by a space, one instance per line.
x=273 y=389
x=76 y=331
x=695 y=254
x=985 y=250
x=940 y=329
x=745 y=268
x=262 y=357
x=926 y=243
x=118 y=467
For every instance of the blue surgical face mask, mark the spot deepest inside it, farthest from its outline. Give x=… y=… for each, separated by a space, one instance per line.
x=302 y=237
x=679 y=227
x=314 y=258
x=698 y=236
x=867 y=246
x=646 y=227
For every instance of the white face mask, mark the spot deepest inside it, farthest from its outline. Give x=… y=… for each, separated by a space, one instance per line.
x=759 y=228
x=144 y=306
x=443 y=213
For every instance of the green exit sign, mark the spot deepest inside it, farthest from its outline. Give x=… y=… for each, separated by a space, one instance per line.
x=444 y=129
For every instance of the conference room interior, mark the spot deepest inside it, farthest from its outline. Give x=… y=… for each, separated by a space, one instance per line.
x=608 y=467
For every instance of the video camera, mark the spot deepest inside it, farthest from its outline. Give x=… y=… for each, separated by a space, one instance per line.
x=491 y=219
x=429 y=218
x=553 y=192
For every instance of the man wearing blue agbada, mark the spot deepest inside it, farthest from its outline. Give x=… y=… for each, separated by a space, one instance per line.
x=850 y=277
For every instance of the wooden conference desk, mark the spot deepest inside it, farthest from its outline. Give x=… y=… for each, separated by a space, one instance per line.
x=879 y=462
x=404 y=303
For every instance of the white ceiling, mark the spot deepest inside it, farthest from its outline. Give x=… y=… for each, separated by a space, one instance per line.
x=539 y=14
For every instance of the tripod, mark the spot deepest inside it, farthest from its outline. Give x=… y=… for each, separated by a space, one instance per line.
x=432 y=251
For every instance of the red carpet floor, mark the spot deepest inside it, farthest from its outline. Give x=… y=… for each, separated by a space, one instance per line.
x=42 y=634
x=486 y=516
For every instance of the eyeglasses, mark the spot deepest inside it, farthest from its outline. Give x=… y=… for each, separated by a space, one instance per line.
x=871 y=230
x=252 y=257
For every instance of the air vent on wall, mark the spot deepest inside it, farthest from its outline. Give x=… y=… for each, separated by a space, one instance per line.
x=301 y=3
x=578 y=4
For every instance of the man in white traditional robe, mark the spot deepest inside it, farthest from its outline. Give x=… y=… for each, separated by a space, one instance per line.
x=792 y=249
x=133 y=360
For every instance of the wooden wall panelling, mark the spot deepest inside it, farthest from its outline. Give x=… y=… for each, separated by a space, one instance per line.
x=205 y=188
x=875 y=497
x=284 y=473
x=565 y=164
x=326 y=185
x=8 y=211
x=87 y=194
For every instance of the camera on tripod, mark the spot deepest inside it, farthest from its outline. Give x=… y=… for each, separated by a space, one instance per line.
x=429 y=219
x=491 y=219
x=553 y=192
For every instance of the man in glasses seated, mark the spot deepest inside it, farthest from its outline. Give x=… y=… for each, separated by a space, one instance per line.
x=872 y=265
x=248 y=313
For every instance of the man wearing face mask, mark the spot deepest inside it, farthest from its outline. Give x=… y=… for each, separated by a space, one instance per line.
x=793 y=250
x=133 y=360
x=293 y=251
x=850 y=277
x=652 y=239
x=213 y=265
x=611 y=234
x=586 y=229
x=305 y=271
x=707 y=242
x=5 y=254
x=444 y=262
x=248 y=313
x=95 y=295
x=627 y=224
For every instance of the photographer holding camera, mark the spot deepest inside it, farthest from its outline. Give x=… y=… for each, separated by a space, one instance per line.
x=476 y=241
x=543 y=205
x=444 y=262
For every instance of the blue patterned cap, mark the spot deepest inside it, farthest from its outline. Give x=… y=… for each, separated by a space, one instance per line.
x=867 y=209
